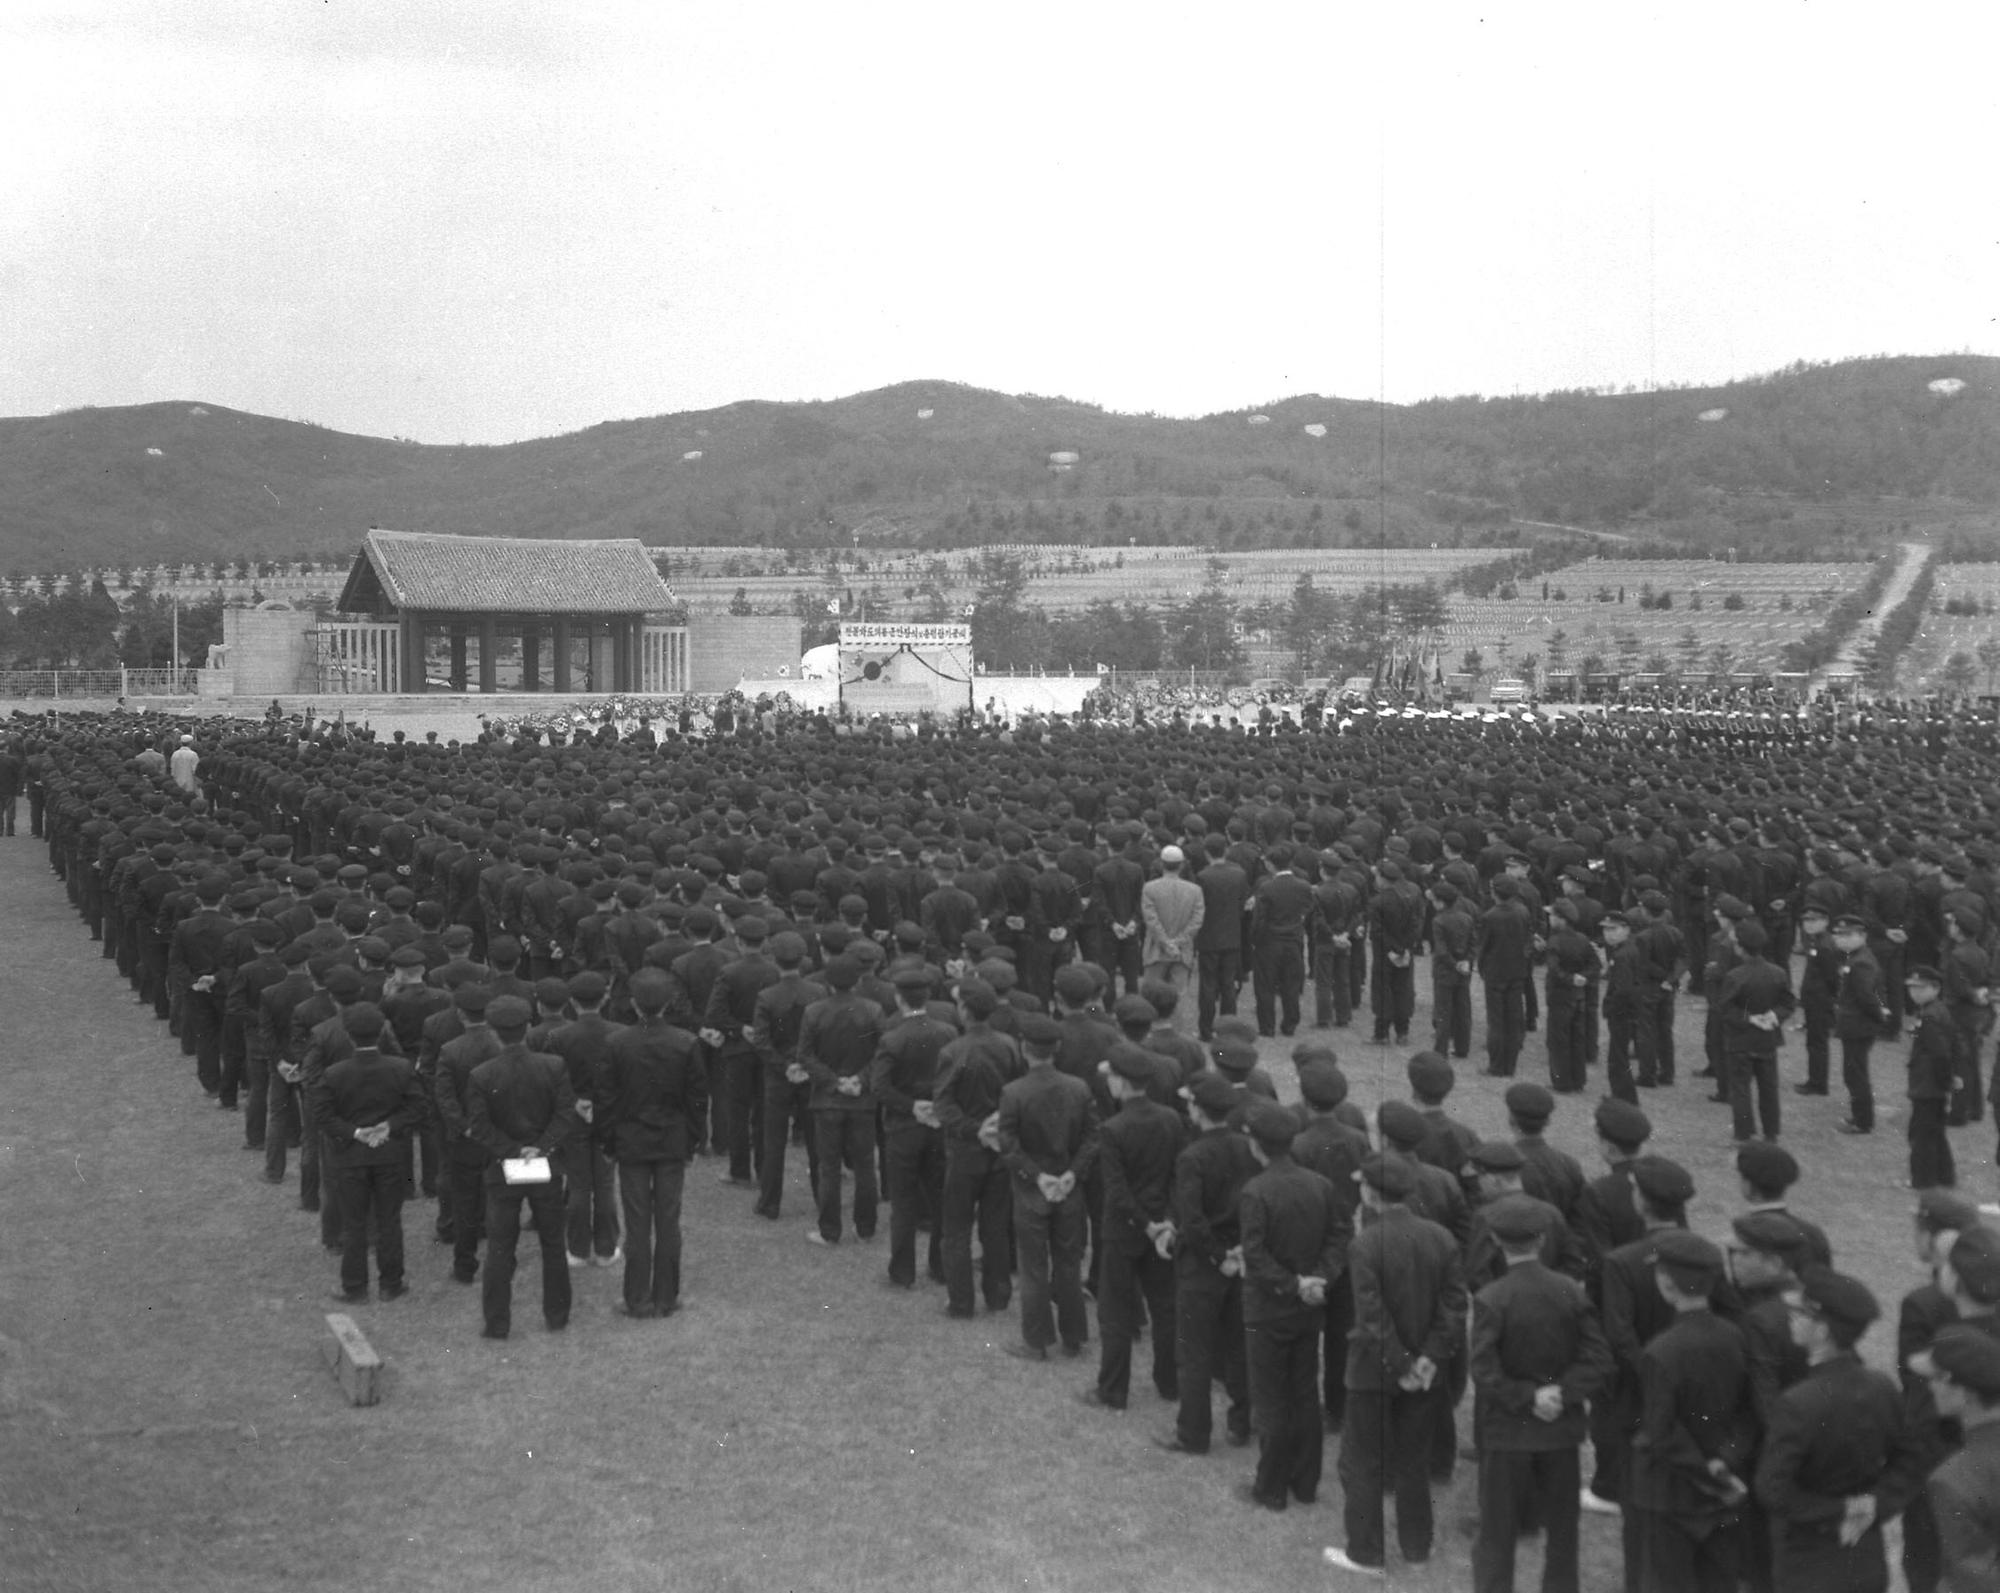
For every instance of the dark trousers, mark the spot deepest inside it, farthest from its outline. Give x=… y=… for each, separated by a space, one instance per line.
x=977 y=1199
x=1612 y=1420
x=590 y=1218
x=371 y=1205
x=1451 y=1014
x=1220 y=974
x=309 y=1156
x=1506 y=1024
x=1516 y=1488
x=1208 y=1342
x=1281 y=1360
x=742 y=1106
x=257 y=1099
x=1753 y=1073
x=1826 y=1566
x=1889 y=954
x=1931 y=1166
x=916 y=1189
x=1280 y=978
x=468 y=1215
x=1619 y=1046
x=1966 y=1105
x=1385 y=1452
x=1565 y=1037
x=1333 y=986
x=1659 y=1011
x=201 y=1019
x=1662 y=1556
x=234 y=1057
x=1120 y=959
x=846 y=1139
x=1049 y=1240
x=1338 y=1328
x=1819 y=1031
x=503 y=1238
x=1854 y=1074
x=785 y=1109
x=1923 y=1554
x=650 y=1193
x=1393 y=994
x=1132 y=1274
x=282 y=1127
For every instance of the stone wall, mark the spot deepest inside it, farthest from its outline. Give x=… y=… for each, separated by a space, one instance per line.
x=724 y=648
x=270 y=651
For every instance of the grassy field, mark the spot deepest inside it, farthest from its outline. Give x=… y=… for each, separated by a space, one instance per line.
x=168 y=1423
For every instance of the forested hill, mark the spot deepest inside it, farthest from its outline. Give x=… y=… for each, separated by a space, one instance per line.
x=938 y=463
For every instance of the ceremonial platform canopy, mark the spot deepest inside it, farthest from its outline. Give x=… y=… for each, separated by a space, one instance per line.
x=583 y=604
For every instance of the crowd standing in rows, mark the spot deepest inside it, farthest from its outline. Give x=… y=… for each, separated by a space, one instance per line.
x=998 y=974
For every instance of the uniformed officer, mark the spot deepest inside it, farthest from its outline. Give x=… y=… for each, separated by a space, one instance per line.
x=1933 y=1072
x=1838 y=1457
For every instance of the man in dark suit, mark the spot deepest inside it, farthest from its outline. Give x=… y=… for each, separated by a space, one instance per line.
x=727 y=1030
x=837 y=1040
x=1754 y=1002
x=902 y=1078
x=1278 y=916
x=1218 y=944
x=774 y=1035
x=1538 y=1359
x=520 y=1107
x=366 y=1105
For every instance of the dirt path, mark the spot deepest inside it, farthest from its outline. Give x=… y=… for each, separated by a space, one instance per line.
x=1915 y=555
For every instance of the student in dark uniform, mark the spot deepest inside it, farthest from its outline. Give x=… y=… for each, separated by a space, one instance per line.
x=1295 y=1237
x=1839 y=1460
x=1933 y=1069
x=648 y=1105
x=367 y=1104
x=902 y=1078
x=1607 y=1212
x=520 y=1105
x=1859 y=1013
x=1048 y=1141
x=1409 y=1318
x=1697 y=1431
x=1633 y=1310
x=972 y=1071
x=1538 y=1359
x=1335 y=1149
x=1137 y=1148
x=1209 y=1176
x=1940 y=1217
x=1765 y=1175
x=1549 y=1174
x=1963 y=1370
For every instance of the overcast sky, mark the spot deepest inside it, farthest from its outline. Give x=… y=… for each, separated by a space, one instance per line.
x=484 y=220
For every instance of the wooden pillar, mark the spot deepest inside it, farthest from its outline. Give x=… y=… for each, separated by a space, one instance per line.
x=562 y=655
x=531 y=656
x=621 y=655
x=412 y=639
x=489 y=654
x=458 y=655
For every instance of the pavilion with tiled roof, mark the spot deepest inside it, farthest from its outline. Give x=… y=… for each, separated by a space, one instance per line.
x=584 y=603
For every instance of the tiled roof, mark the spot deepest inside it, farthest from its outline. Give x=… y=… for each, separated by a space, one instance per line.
x=533 y=575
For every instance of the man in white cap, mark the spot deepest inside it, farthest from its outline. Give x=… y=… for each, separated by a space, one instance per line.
x=1172 y=909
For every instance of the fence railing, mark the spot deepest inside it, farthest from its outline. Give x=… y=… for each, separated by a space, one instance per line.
x=99 y=683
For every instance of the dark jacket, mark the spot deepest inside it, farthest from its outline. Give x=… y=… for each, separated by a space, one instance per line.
x=1530 y=1328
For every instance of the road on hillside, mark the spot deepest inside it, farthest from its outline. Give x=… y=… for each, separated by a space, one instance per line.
x=1915 y=555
